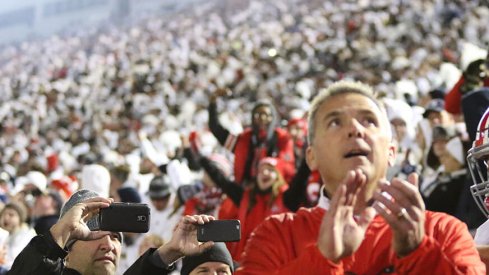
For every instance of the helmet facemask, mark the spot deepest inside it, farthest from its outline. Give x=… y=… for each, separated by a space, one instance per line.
x=477 y=159
x=480 y=188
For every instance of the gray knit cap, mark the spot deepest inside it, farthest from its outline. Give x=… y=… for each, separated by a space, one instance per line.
x=77 y=197
x=81 y=196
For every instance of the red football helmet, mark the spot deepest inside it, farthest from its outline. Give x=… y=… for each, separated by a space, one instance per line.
x=478 y=160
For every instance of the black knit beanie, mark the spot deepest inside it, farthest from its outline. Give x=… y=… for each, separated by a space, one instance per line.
x=217 y=253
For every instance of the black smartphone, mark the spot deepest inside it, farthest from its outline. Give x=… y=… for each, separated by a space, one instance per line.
x=219 y=231
x=125 y=217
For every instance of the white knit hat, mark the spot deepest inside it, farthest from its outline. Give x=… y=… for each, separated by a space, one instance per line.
x=38 y=179
x=35 y=178
x=456 y=149
x=96 y=178
x=471 y=53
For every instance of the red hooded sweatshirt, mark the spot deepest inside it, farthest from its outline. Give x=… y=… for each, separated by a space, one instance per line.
x=251 y=219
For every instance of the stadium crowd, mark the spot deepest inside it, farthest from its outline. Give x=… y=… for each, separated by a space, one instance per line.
x=204 y=112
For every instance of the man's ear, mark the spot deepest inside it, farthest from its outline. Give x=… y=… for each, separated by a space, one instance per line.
x=391 y=158
x=311 y=158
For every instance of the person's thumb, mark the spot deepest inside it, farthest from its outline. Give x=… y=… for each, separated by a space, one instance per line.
x=413 y=178
x=205 y=246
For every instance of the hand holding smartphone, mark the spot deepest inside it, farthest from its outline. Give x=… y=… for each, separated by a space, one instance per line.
x=219 y=231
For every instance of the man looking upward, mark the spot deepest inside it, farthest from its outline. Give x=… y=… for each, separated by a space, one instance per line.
x=363 y=224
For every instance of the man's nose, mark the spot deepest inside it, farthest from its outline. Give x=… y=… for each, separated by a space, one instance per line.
x=355 y=129
x=106 y=243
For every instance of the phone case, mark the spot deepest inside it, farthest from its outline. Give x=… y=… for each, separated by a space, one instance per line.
x=219 y=231
x=125 y=217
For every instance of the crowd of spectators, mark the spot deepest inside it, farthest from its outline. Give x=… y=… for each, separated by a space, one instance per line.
x=121 y=110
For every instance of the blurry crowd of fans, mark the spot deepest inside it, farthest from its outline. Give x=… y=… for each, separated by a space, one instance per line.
x=204 y=112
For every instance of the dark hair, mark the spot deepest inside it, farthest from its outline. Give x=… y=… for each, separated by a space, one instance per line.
x=439 y=133
x=17 y=207
x=121 y=172
x=474 y=76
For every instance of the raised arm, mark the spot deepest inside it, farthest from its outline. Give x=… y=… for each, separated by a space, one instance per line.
x=215 y=126
x=295 y=196
x=229 y=187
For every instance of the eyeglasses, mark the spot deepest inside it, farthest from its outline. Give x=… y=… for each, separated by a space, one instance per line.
x=261 y=115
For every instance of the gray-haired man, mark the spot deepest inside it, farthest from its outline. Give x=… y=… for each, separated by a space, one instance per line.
x=71 y=247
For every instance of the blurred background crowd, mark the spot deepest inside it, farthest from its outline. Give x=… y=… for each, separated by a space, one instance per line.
x=203 y=111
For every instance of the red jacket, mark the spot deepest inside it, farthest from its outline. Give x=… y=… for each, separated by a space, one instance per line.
x=227 y=210
x=286 y=244
x=240 y=145
x=453 y=99
x=250 y=220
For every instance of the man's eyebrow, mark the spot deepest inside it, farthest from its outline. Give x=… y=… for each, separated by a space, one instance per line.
x=336 y=113
x=367 y=112
x=330 y=115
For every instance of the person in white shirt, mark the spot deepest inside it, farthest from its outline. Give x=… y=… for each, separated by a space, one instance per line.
x=13 y=219
x=163 y=216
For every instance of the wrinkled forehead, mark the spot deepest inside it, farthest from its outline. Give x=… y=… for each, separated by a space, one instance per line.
x=116 y=236
x=358 y=104
x=355 y=103
x=341 y=94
